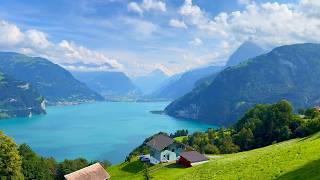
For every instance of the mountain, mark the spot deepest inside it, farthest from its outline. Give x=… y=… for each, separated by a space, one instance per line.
x=288 y=72
x=56 y=84
x=151 y=81
x=19 y=99
x=196 y=77
x=185 y=83
x=244 y=52
x=112 y=85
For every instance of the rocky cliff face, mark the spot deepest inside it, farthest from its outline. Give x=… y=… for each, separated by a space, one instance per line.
x=19 y=99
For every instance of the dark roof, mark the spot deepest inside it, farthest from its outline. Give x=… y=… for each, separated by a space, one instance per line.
x=159 y=142
x=193 y=156
x=93 y=172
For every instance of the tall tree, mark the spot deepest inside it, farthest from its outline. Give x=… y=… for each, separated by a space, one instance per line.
x=10 y=162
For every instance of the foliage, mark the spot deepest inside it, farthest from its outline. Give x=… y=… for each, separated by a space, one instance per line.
x=69 y=166
x=178 y=133
x=293 y=159
x=10 y=161
x=36 y=167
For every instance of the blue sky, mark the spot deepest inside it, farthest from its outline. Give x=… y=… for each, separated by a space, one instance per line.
x=139 y=36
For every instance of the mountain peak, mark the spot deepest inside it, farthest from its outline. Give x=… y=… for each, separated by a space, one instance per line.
x=245 y=51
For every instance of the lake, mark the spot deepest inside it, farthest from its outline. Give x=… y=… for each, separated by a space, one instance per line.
x=96 y=131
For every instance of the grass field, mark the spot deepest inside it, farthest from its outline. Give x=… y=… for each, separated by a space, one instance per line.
x=180 y=138
x=294 y=159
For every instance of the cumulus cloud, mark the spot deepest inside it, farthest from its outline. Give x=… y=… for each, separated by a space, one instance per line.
x=35 y=43
x=177 y=24
x=147 y=5
x=134 y=7
x=269 y=24
x=195 y=42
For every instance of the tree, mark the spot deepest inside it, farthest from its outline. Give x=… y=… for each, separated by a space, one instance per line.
x=10 y=161
x=34 y=166
x=69 y=166
x=244 y=139
x=211 y=149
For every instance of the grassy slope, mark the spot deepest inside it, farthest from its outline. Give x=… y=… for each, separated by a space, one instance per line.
x=294 y=159
x=180 y=138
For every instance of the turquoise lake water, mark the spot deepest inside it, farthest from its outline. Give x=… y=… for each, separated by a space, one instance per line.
x=96 y=131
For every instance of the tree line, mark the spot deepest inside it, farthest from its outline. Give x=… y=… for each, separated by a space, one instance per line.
x=21 y=162
x=262 y=125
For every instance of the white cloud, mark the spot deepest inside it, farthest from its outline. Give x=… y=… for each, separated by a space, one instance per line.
x=134 y=7
x=10 y=34
x=244 y=1
x=147 y=5
x=140 y=27
x=35 y=43
x=269 y=24
x=154 y=5
x=177 y=24
x=195 y=42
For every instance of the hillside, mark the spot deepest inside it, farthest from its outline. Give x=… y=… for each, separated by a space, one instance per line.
x=109 y=84
x=52 y=81
x=19 y=99
x=244 y=52
x=185 y=83
x=196 y=77
x=288 y=72
x=294 y=159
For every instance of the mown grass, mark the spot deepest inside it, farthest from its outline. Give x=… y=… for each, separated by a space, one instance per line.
x=180 y=138
x=294 y=159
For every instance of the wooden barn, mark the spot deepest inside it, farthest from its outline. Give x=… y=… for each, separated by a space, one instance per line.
x=191 y=158
x=93 y=172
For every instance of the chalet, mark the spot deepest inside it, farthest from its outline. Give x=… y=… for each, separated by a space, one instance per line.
x=191 y=158
x=164 y=149
x=93 y=172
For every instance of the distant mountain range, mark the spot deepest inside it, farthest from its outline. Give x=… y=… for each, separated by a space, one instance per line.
x=18 y=98
x=111 y=85
x=56 y=84
x=150 y=82
x=185 y=83
x=191 y=79
x=288 y=72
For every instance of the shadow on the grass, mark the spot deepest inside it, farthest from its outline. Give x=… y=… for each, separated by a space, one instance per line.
x=309 y=171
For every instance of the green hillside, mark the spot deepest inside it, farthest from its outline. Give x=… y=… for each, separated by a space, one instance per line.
x=56 y=84
x=287 y=72
x=294 y=159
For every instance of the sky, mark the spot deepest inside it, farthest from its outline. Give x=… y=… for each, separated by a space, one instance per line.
x=139 y=36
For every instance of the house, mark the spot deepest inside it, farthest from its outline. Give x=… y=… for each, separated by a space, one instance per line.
x=318 y=108
x=164 y=149
x=93 y=172
x=191 y=158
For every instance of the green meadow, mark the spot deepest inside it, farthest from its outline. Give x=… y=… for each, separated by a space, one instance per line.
x=293 y=159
